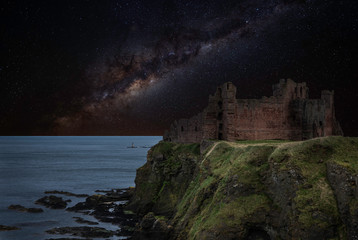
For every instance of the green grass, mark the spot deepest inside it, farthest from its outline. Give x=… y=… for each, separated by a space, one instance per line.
x=210 y=203
x=261 y=141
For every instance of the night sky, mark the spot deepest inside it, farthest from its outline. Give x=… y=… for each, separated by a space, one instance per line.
x=130 y=67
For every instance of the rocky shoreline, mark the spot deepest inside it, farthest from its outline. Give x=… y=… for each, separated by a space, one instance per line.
x=108 y=207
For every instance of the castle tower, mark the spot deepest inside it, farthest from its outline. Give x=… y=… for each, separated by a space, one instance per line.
x=289 y=90
x=328 y=97
x=228 y=113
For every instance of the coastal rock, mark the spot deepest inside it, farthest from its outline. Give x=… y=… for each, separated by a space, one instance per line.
x=109 y=208
x=52 y=202
x=20 y=208
x=8 y=228
x=66 y=193
x=68 y=239
x=152 y=227
x=248 y=190
x=109 y=200
x=148 y=221
x=88 y=232
x=83 y=221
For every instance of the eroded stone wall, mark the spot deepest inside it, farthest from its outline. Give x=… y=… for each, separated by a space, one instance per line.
x=288 y=114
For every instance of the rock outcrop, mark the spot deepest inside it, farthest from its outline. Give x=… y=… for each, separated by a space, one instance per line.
x=21 y=208
x=52 y=202
x=249 y=190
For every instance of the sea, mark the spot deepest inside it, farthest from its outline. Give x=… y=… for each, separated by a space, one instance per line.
x=31 y=165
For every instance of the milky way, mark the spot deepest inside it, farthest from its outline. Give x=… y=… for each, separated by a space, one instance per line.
x=170 y=55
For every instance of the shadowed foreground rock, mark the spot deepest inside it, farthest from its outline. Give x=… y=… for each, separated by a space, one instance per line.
x=249 y=190
x=8 y=228
x=68 y=239
x=106 y=208
x=83 y=221
x=52 y=202
x=66 y=193
x=109 y=208
x=92 y=232
x=20 y=208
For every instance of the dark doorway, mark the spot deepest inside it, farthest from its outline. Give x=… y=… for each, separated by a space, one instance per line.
x=220 y=116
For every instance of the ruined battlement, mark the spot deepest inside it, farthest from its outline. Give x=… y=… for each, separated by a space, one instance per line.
x=287 y=114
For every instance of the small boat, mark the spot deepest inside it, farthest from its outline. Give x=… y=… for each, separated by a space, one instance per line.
x=132 y=146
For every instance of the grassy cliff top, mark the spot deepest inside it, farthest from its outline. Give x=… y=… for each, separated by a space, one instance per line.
x=342 y=150
x=286 y=189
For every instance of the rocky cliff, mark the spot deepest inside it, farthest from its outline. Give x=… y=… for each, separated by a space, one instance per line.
x=249 y=190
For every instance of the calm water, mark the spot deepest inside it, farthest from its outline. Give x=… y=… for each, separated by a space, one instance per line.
x=31 y=165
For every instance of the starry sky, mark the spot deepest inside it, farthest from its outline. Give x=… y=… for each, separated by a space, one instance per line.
x=131 y=67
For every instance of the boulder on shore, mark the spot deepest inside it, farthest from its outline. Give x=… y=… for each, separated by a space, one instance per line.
x=52 y=202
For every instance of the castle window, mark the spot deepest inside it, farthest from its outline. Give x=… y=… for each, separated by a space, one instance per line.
x=182 y=128
x=219 y=90
x=220 y=126
x=227 y=86
x=220 y=104
x=196 y=128
x=301 y=91
x=320 y=123
x=220 y=116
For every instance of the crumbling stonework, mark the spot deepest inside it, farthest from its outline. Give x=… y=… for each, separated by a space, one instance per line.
x=288 y=114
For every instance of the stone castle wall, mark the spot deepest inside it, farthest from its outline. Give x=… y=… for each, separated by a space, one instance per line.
x=288 y=114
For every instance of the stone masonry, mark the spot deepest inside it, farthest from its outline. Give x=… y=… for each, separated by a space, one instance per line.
x=288 y=114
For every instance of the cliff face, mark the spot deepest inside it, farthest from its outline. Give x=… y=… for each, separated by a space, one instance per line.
x=249 y=190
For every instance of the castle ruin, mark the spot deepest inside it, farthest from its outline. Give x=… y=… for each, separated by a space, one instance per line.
x=288 y=114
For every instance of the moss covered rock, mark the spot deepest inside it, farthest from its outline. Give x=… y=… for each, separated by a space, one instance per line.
x=163 y=180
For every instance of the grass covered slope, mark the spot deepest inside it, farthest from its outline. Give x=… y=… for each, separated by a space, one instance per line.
x=251 y=190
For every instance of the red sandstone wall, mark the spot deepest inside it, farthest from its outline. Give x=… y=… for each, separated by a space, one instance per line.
x=288 y=114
